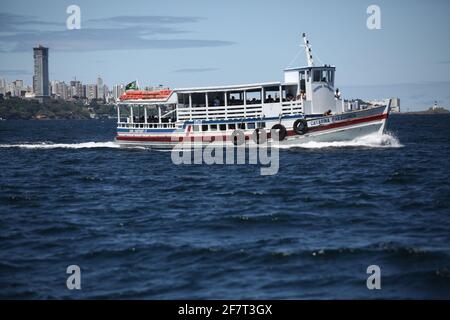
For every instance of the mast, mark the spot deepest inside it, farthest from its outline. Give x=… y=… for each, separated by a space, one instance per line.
x=308 y=51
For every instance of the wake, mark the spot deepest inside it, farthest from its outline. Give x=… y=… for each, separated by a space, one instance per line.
x=49 y=145
x=376 y=140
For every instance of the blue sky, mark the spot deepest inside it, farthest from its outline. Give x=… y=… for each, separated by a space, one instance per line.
x=194 y=43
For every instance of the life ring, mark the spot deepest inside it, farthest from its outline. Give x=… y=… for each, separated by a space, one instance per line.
x=281 y=134
x=300 y=126
x=238 y=137
x=259 y=136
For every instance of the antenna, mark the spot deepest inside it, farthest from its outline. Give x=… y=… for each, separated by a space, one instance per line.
x=308 y=51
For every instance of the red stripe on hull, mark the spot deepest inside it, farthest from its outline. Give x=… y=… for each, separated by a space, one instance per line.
x=350 y=122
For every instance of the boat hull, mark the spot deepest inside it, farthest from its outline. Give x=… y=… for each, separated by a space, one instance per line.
x=342 y=127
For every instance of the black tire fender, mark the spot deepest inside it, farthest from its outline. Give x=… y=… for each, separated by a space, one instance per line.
x=300 y=126
x=278 y=132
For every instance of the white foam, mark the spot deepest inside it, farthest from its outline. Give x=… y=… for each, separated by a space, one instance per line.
x=48 y=145
x=375 y=140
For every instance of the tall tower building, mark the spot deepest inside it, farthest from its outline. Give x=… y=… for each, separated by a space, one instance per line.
x=40 y=78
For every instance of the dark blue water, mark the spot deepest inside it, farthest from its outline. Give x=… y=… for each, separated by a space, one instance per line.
x=142 y=227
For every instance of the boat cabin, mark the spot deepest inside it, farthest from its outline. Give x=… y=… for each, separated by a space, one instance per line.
x=317 y=84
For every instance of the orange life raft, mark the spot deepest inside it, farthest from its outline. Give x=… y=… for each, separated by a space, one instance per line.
x=146 y=95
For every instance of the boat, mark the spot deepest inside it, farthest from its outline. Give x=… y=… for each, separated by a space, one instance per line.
x=305 y=107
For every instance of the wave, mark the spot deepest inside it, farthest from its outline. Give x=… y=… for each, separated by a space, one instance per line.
x=376 y=140
x=49 y=145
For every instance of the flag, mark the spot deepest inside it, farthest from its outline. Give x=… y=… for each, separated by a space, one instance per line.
x=131 y=86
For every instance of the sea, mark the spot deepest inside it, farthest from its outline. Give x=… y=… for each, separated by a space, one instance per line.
x=138 y=226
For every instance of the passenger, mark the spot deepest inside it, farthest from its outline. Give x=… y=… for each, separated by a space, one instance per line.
x=328 y=113
x=232 y=101
x=303 y=95
x=216 y=102
x=269 y=99
x=253 y=101
x=337 y=95
x=290 y=97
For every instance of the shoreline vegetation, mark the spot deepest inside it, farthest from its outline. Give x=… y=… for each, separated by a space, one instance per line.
x=20 y=109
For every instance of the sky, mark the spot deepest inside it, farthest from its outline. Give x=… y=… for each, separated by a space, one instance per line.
x=205 y=43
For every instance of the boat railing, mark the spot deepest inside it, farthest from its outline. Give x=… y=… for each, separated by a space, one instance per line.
x=128 y=125
x=201 y=111
x=292 y=107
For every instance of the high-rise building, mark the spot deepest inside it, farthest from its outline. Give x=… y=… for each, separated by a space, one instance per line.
x=2 y=86
x=91 y=91
x=76 y=89
x=40 y=78
x=118 y=90
x=60 y=90
x=17 y=88
x=84 y=95
x=54 y=87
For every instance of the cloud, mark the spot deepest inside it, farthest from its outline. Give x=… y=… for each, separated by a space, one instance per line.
x=17 y=22
x=194 y=70
x=143 y=20
x=113 y=33
x=13 y=72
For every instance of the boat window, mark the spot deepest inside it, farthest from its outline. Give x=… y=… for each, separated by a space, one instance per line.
x=235 y=98
x=316 y=75
x=241 y=125
x=251 y=125
x=205 y=127
x=325 y=76
x=231 y=126
x=222 y=127
x=196 y=128
x=216 y=99
x=213 y=127
x=198 y=100
x=183 y=100
x=289 y=92
x=272 y=94
x=253 y=96
x=261 y=125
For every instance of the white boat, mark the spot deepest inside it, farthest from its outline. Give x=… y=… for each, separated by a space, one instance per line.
x=304 y=107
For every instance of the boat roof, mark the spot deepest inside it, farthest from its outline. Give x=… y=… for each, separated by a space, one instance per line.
x=228 y=87
x=308 y=68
